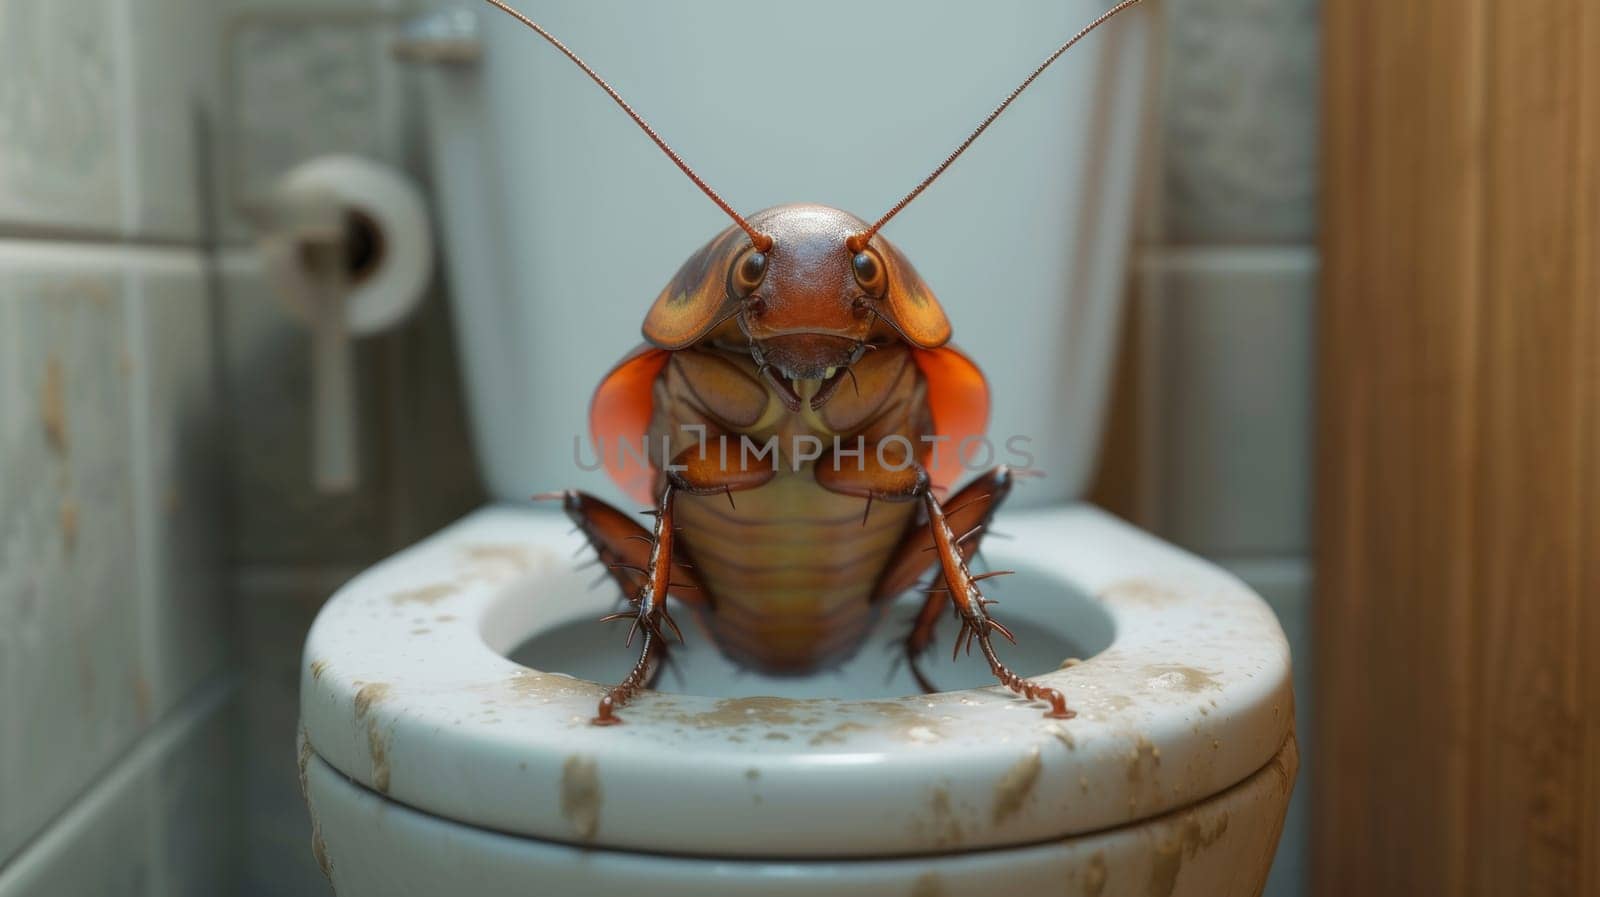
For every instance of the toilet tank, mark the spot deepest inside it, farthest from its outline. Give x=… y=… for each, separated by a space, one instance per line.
x=561 y=221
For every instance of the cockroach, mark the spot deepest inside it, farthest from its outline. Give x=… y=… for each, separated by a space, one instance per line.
x=746 y=357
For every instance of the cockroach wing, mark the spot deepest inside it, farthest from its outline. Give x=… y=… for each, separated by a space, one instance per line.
x=698 y=297
x=619 y=421
x=958 y=399
x=912 y=307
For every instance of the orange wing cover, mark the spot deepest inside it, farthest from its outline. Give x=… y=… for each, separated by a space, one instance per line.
x=958 y=398
x=619 y=419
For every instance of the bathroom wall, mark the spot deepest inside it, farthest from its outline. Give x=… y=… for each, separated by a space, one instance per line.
x=313 y=79
x=161 y=551
x=117 y=694
x=1210 y=429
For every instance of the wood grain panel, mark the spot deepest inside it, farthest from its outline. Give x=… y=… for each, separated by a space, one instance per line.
x=1458 y=516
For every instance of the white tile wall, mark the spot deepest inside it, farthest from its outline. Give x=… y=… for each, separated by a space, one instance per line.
x=178 y=492
x=156 y=824
x=1227 y=338
x=69 y=601
x=172 y=87
x=61 y=159
x=113 y=612
x=102 y=106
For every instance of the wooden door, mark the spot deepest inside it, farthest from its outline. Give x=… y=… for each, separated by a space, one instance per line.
x=1458 y=508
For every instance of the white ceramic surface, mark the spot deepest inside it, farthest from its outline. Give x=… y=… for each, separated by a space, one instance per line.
x=109 y=615
x=1220 y=847
x=561 y=222
x=1227 y=363
x=407 y=690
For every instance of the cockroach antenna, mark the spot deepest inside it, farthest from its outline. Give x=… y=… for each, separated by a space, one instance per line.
x=762 y=242
x=858 y=242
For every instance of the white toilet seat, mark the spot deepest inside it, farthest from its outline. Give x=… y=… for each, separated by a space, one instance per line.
x=407 y=691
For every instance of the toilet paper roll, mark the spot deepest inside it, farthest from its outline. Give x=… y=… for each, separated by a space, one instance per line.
x=389 y=241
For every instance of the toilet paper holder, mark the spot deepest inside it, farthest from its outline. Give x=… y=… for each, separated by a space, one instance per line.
x=326 y=235
x=346 y=245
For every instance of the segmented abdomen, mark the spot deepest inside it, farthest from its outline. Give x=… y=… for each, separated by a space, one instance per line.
x=790 y=571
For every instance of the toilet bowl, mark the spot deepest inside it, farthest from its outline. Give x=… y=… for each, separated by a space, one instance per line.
x=446 y=692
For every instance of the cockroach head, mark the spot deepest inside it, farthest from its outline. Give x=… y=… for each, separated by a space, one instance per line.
x=809 y=304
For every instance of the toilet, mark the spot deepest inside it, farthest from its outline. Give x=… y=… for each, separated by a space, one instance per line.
x=445 y=744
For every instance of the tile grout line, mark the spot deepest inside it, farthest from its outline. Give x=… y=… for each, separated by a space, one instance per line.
x=153 y=745
x=1228 y=258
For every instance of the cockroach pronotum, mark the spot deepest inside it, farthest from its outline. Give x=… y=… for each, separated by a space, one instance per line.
x=746 y=352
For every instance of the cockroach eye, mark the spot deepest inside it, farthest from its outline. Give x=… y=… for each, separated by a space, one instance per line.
x=748 y=271
x=869 y=272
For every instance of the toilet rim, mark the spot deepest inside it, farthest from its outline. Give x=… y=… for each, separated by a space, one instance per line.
x=406 y=690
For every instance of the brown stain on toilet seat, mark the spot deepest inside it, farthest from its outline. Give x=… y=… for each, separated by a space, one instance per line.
x=940 y=829
x=1015 y=786
x=377 y=741
x=530 y=683
x=1140 y=592
x=757 y=710
x=370 y=694
x=1142 y=750
x=1178 y=677
x=927 y=884
x=426 y=595
x=306 y=751
x=378 y=749
x=319 y=847
x=319 y=850
x=580 y=795
x=836 y=734
x=492 y=553
x=1094 y=875
x=1191 y=837
x=492 y=562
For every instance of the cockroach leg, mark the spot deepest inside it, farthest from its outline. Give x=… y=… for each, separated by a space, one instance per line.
x=648 y=610
x=648 y=572
x=642 y=672
x=970 y=509
x=937 y=545
x=972 y=606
